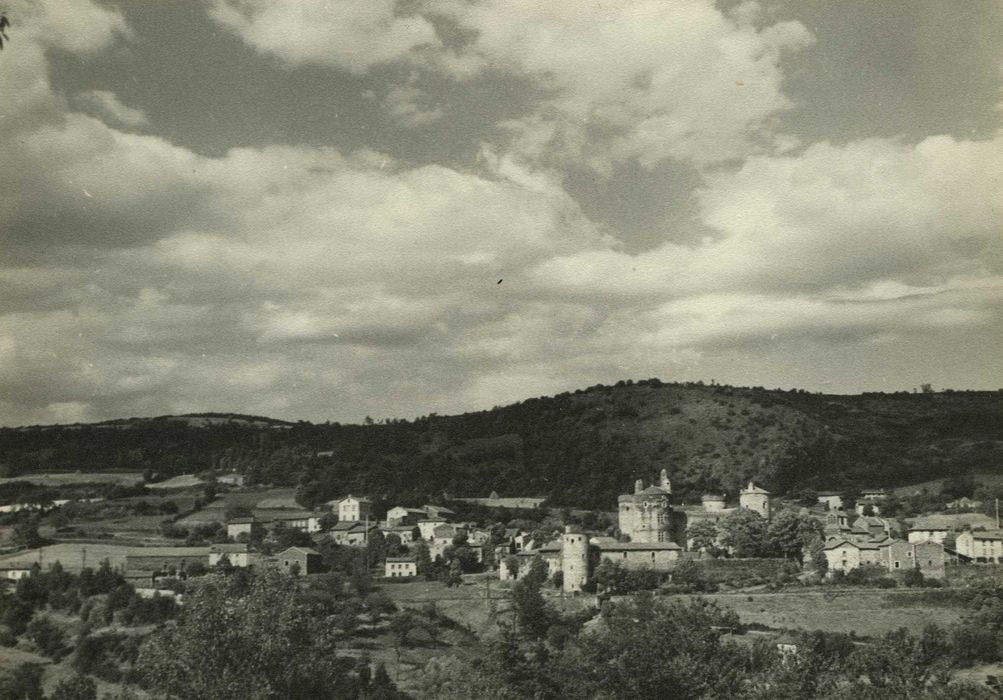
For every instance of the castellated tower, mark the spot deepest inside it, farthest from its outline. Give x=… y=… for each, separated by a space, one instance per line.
x=574 y=559
x=646 y=514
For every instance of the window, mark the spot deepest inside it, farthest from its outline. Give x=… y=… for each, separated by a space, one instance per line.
x=897 y=564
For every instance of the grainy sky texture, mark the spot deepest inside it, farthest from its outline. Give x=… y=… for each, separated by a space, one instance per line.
x=303 y=208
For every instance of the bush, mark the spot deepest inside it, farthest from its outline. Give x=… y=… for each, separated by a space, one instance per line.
x=913 y=578
x=690 y=577
x=47 y=637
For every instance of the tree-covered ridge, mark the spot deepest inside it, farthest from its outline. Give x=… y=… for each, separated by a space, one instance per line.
x=579 y=448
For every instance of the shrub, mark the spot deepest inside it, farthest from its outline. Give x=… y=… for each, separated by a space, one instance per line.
x=47 y=637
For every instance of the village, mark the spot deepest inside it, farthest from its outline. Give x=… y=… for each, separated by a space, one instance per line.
x=856 y=564
x=649 y=532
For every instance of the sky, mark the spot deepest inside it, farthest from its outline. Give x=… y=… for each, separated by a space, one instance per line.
x=332 y=209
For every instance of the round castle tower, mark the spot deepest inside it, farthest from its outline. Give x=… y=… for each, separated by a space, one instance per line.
x=756 y=499
x=574 y=559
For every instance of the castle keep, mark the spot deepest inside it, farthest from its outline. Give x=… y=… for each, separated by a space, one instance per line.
x=646 y=515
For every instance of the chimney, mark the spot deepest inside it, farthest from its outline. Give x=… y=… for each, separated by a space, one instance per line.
x=664 y=481
x=638 y=486
x=567 y=529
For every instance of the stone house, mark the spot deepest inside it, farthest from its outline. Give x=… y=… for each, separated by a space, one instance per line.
x=427 y=526
x=927 y=555
x=400 y=567
x=353 y=508
x=658 y=556
x=983 y=546
x=399 y=515
x=301 y=560
x=847 y=555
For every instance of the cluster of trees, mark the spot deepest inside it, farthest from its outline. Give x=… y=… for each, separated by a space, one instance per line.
x=257 y=636
x=745 y=533
x=649 y=648
x=33 y=613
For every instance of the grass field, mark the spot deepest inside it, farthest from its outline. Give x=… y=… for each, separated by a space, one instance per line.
x=74 y=555
x=185 y=481
x=68 y=478
x=868 y=613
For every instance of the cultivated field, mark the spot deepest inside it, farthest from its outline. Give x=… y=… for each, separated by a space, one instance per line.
x=866 y=612
x=69 y=478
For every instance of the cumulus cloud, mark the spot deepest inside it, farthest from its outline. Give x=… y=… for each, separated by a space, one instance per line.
x=645 y=79
x=305 y=282
x=107 y=106
x=353 y=35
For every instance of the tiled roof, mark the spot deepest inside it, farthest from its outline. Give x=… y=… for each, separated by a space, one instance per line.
x=638 y=546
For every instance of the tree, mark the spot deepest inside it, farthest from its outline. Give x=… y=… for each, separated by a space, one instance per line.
x=819 y=561
x=77 y=687
x=237 y=642
x=702 y=535
x=744 y=532
x=904 y=666
x=422 y=558
x=790 y=534
x=648 y=649
x=531 y=613
x=25 y=533
x=47 y=637
x=455 y=575
x=22 y=683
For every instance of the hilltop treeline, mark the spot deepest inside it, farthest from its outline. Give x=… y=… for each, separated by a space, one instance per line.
x=579 y=448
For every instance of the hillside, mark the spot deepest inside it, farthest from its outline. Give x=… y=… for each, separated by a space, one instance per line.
x=580 y=448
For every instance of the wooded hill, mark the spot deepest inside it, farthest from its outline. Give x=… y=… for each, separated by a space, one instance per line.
x=580 y=448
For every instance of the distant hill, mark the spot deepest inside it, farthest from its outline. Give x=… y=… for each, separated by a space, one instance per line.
x=579 y=448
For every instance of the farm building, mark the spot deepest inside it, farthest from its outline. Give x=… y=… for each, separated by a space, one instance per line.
x=236 y=554
x=513 y=502
x=352 y=534
x=833 y=500
x=241 y=526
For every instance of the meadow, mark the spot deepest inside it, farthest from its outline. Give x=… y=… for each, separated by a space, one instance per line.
x=864 y=612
